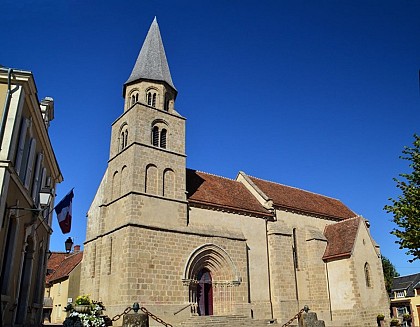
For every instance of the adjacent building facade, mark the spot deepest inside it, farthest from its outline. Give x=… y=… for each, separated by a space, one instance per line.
x=405 y=300
x=62 y=284
x=28 y=175
x=188 y=243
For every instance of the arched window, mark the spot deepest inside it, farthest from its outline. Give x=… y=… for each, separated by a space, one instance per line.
x=151 y=98
x=163 y=138
x=160 y=133
x=134 y=97
x=155 y=136
x=367 y=275
x=123 y=137
x=154 y=100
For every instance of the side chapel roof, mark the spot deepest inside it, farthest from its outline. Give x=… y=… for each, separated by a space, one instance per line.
x=151 y=62
x=341 y=237
x=60 y=265
x=291 y=198
x=222 y=193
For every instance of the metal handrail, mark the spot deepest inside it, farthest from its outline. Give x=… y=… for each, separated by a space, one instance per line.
x=183 y=308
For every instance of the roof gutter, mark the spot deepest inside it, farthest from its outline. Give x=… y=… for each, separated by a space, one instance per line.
x=6 y=106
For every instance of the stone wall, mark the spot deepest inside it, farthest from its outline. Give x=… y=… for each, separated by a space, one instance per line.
x=147 y=265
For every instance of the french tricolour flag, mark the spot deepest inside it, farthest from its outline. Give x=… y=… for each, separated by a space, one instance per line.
x=63 y=211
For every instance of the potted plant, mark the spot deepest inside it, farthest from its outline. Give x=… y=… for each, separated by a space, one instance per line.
x=406 y=317
x=83 y=304
x=395 y=322
x=85 y=313
x=380 y=317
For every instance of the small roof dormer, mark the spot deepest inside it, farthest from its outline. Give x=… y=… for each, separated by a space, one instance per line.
x=151 y=63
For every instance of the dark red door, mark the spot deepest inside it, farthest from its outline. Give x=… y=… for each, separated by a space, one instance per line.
x=204 y=293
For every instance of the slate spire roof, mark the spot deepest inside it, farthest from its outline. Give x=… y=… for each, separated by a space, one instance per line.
x=151 y=63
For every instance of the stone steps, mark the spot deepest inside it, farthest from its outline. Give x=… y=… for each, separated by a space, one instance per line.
x=225 y=321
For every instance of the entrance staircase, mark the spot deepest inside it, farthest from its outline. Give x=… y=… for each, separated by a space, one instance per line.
x=226 y=321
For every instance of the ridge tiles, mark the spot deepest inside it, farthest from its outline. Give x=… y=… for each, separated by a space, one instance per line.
x=151 y=62
x=304 y=201
x=207 y=189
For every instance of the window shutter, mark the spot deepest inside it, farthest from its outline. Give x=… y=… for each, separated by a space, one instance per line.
x=37 y=178
x=30 y=165
x=163 y=139
x=21 y=144
x=155 y=136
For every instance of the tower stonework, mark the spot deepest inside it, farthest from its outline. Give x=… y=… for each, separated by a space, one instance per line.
x=187 y=244
x=143 y=189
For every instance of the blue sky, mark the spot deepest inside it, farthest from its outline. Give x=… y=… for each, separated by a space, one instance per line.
x=320 y=95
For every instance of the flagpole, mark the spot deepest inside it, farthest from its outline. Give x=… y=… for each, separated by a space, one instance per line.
x=48 y=214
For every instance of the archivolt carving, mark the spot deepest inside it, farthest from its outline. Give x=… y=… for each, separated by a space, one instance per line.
x=216 y=260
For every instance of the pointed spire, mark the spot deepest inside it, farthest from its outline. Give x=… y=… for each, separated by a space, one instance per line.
x=151 y=62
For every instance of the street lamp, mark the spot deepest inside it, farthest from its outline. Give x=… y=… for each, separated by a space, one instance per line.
x=68 y=244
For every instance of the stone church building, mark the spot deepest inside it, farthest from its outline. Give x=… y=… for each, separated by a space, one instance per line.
x=187 y=243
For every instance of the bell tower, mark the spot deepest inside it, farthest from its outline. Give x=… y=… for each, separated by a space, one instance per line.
x=143 y=189
x=147 y=154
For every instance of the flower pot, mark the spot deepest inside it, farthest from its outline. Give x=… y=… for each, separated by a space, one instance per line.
x=82 y=308
x=395 y=322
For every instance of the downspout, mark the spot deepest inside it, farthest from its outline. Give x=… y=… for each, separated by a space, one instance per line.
x=6 y=106
x=329 y=292
x=268 y=264
x=295 y=265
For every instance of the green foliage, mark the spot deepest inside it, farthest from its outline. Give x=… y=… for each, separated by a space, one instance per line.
x=389 y=273
x=406 y=208
x=83 y=300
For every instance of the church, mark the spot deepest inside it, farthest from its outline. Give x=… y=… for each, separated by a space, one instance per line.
x=187 y=244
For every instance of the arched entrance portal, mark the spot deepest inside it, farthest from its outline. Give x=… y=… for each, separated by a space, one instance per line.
x=204 y=293
x=211 y=278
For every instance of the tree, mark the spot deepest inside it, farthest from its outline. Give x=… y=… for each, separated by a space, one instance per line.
x=406 y=208
x=389 y=273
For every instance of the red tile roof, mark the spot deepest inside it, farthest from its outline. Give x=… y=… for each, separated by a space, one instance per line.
x=221 y=193
x=294 y=199
x=340 y=238
x=62 y=264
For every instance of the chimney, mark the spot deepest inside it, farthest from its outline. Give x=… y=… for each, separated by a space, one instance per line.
x=47 y=110
x=76 y=249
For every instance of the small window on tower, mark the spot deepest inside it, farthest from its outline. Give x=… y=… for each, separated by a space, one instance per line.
x=159 y=134
x=134 y=98
x=154 y=100
x=123 y=137
x=163 y=138
x=155 y=136
x=151 y=96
